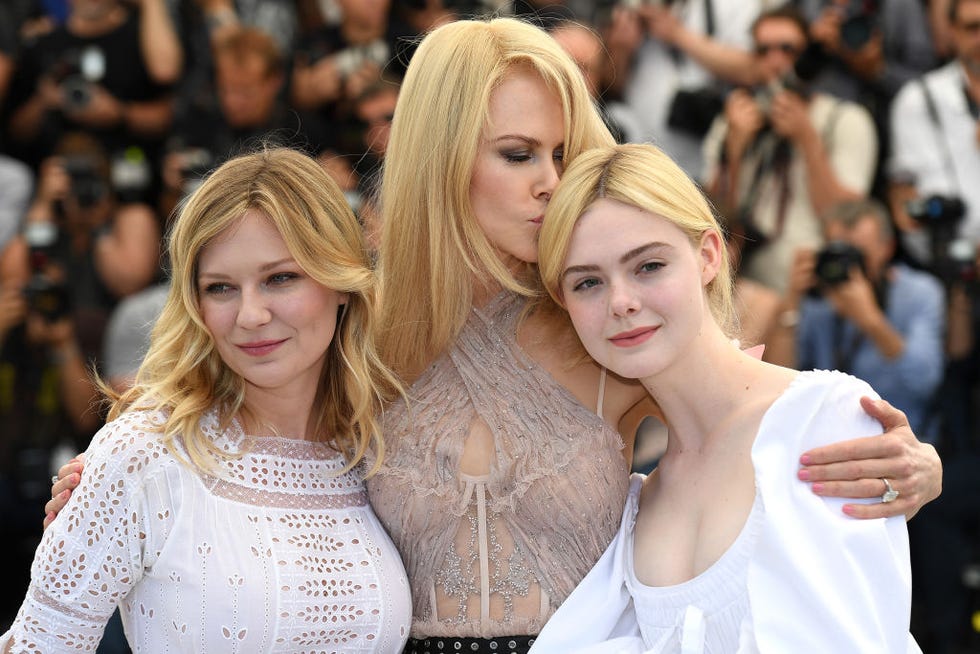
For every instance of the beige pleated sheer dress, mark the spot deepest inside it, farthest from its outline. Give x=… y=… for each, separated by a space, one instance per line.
x=499 y=489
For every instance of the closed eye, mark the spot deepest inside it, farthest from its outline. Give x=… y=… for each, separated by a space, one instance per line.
x=516 y=157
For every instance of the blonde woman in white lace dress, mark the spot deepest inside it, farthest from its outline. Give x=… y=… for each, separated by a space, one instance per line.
x=221 y=508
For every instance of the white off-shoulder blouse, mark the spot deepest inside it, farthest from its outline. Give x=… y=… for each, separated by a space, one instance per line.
x=800 y=577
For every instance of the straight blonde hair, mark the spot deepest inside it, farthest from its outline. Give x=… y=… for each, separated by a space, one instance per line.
x=642 y=176
x=433 y=251
x=183 y=375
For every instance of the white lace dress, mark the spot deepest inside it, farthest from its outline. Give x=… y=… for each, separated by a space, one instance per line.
x=278 y=554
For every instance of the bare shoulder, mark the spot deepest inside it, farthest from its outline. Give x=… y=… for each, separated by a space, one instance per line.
x=554 y=346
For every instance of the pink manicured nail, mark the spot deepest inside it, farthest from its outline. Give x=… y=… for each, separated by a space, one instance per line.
x=818 y=488
x=803 y=474
x=848 y=509
x=805 y=459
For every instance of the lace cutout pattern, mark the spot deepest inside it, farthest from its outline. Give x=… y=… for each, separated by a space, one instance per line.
x=223 y=563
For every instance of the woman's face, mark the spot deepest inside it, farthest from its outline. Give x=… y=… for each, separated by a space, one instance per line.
x=633 y=285
x=517 y=164
x=270 y=321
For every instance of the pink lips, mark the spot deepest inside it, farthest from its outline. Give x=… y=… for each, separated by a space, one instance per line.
x=632 y=337
x=260 y=348
x=537 y=220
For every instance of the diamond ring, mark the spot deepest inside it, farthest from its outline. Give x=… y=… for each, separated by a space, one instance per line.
x=890 y=494
x=54 y=479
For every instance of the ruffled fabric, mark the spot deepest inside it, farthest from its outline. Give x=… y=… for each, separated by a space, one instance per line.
x=555 y=487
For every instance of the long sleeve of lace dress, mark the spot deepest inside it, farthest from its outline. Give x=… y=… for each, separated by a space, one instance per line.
x=97 y=549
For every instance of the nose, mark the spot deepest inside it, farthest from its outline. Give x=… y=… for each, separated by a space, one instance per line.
x=254 y=309
x=551 y=172
x=623 y=301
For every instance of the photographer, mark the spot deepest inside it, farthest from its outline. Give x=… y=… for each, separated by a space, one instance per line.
x=781 y=154
x=935 y=139
x=60 y=278
x=671 y=61
x=880 y=321
x=873 y=46
x=91 y=74
x=86 y=251
x=243 y=104
x=335 y=64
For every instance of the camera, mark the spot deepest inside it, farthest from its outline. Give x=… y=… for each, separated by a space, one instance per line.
x=834 y=263
x=936 y=209
x=88 y=186
x=49 y=298
x=352 y=58
x=130 y=174
x=859 y=23
x=75 y=71
x=195 y=165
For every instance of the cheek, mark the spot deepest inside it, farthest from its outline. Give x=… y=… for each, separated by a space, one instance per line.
x=216 y=318
x=587 y=318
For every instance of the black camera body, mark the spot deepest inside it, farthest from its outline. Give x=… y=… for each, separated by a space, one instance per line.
x=75 y=71
x=88 y=185
x=834 y=263
x=48 y=297
x=859 y=23
x=936 y=210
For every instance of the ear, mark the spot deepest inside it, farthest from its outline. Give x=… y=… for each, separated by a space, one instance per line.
x=711 y=251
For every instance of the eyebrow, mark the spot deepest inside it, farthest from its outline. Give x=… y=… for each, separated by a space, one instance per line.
x=632 y=254
x=516 y=137
x=263 y=268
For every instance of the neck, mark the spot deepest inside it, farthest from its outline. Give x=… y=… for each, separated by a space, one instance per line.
x=704 y=391
x=283 y=414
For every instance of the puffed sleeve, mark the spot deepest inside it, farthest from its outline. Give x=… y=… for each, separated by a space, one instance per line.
x=598 y=617
x=93 y=554
x=820 y=581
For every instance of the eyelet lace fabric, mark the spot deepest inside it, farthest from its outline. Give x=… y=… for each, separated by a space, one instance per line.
x=495 y=554
x=275 y=551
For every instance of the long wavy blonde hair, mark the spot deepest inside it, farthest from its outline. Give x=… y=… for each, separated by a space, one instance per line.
x=183 y=375
x=641 y=176
x=432 y=249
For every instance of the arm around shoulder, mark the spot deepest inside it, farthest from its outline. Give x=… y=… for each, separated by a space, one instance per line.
x=819 y=580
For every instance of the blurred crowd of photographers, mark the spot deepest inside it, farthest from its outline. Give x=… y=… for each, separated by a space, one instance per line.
x=838 y=139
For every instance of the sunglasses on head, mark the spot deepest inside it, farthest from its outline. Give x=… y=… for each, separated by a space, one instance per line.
x=762 y=49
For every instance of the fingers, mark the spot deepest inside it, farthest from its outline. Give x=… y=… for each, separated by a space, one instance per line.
x=856 y=451
x=54 y=506
x=67 y=483
x=69 y=475
x=881 y=509
x=889 y=417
